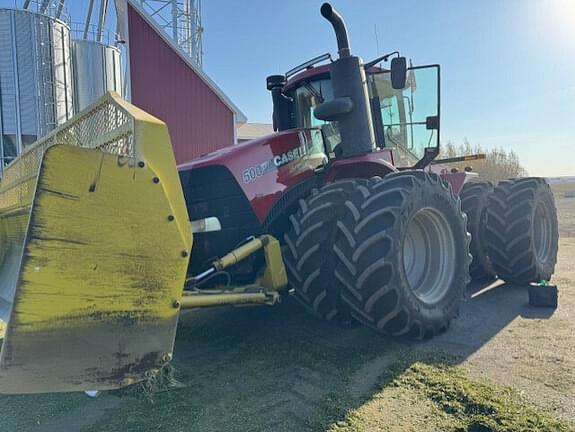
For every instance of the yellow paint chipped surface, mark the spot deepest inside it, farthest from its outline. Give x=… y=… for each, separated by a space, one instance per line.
x=102 y=261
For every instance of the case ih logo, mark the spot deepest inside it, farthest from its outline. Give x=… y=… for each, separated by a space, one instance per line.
x=290 y=156
x=254 y=172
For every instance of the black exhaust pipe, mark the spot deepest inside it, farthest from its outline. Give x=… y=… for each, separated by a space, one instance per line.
x=334 y=17
x=350 y=106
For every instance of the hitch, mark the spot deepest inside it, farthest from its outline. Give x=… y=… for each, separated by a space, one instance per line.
x=265 y=290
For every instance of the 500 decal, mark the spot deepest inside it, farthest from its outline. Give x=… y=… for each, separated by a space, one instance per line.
x=252 y=173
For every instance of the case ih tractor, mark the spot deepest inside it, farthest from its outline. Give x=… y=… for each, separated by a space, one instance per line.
x=366 y=229
x=96 y=256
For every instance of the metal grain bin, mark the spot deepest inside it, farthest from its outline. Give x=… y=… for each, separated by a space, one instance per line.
x=35 y=79
x=97 y=68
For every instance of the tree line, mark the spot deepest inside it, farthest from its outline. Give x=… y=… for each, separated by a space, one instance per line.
x=498 y=164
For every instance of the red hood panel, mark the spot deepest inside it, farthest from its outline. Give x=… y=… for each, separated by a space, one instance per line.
x=265 y=167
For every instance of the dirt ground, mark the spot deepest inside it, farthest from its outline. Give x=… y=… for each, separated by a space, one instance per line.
x=278 y=369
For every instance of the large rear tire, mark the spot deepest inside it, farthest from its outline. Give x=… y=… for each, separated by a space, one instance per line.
x=404 y=255
x=474 y=202
x=522 y=234
x=308 y=254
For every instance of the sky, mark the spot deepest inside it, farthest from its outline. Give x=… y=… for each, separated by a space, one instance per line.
x=507 y=66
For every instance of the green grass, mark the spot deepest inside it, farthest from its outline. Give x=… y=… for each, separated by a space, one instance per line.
x=478 y=406
x=462 y=404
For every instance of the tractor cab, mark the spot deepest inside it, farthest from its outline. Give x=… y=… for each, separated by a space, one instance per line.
x=405 y=119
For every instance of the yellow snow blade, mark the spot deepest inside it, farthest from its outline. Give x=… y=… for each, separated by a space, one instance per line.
x=94 y=247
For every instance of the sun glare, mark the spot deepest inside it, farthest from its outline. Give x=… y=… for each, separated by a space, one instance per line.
x=564 y=14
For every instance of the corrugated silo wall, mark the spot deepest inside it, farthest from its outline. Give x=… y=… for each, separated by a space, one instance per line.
x=35 y=79
x=166 y=87
x=97 y=70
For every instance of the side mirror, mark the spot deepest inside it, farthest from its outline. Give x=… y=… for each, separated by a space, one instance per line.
x=398 y=72
x=333 y=110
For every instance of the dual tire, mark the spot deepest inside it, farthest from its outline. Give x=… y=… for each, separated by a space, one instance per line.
x=522 y=230
x=308 y=254
x=513 y=228
x=393 y=253
x=475 y=197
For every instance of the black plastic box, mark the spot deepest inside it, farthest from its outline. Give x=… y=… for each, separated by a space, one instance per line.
x=543 y=295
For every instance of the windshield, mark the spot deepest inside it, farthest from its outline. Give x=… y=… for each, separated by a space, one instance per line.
x=406 y=120
x=307 y=96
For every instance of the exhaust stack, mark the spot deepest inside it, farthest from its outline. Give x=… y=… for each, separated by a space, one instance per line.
x=350 y=106
x=336 y=20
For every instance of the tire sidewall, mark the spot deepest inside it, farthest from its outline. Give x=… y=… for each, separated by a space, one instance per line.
x=440 y=199
x=544 y=196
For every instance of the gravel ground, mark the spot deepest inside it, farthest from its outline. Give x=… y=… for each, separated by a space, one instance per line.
x=278 y=369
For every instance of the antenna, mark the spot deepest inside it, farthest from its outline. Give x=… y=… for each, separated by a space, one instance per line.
x=376 y=39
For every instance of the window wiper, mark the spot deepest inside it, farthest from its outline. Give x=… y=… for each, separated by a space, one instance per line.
x=398 y=144
x=314 y=92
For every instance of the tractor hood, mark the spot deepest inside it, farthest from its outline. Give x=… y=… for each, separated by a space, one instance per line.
x=278 y=148
x=264 y=168
x=251 y=148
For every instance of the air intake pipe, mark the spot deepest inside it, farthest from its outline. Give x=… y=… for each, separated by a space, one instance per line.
x=350 y=106
x=281 y=114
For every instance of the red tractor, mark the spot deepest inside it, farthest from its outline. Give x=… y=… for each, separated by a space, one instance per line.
x=367 y=229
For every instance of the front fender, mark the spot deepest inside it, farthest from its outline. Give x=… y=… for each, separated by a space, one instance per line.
x=364 y=166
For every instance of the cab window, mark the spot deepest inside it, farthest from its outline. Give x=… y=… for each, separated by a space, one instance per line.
x=407 y=119
x=307 y=96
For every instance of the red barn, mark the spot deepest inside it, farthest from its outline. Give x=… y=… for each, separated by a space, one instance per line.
x=166 y=83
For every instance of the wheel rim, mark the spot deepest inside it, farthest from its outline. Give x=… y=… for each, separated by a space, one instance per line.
x=542 y=233
x=429 y=255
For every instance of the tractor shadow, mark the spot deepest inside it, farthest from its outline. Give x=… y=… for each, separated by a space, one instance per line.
x=490 y=307
x=275 y=369
x=280 y=369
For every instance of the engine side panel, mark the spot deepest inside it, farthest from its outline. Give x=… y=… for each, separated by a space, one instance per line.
x=265 y=168
x=212 y=191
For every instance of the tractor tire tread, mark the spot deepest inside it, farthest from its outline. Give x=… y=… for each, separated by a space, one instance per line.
x=509 y=230
x=368 y=254
x=474 y=202
x=308 y=254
